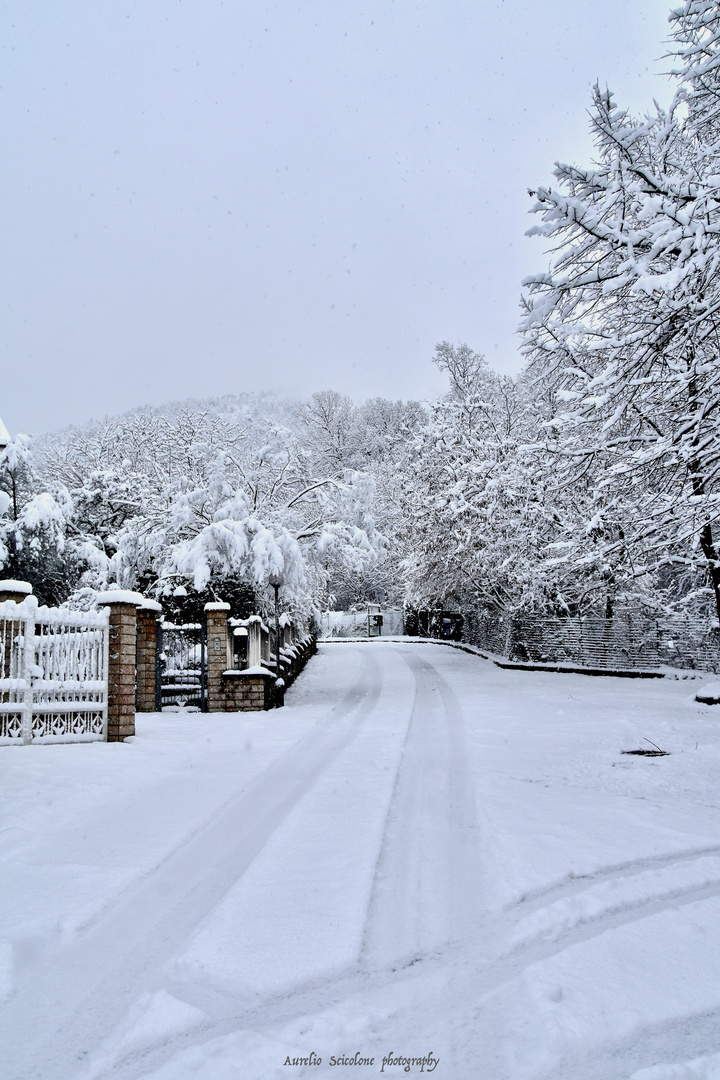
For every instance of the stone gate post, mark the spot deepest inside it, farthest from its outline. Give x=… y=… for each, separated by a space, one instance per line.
x=147 y=622
x=122 y=653
x=219 y=656
x=16 y=591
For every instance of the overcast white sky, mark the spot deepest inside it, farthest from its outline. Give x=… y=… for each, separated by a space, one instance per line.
x=202 y=197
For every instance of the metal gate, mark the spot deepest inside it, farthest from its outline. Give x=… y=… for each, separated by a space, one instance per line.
x=53 y=674
x=181 y=677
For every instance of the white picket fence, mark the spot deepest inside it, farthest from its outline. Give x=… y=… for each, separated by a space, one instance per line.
x=53 y=674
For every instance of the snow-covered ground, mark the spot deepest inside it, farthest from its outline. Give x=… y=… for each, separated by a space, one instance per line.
x=422 y=854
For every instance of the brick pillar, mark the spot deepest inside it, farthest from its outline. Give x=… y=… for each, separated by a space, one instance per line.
x=147 y=622
x=121 y=662
x=14 y=590
x=219 y=657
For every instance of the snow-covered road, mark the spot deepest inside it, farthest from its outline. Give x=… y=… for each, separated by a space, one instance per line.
x=421 y=853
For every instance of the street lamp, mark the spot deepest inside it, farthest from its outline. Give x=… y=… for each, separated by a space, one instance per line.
x=276 y=580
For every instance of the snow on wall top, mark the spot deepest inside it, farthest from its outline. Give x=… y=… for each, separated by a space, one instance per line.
x=9 y=585
x=217 y=606
x=121 y=596
x=256 y=669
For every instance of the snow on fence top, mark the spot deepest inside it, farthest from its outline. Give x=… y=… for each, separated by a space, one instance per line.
x=80 y=620
x=11 y=611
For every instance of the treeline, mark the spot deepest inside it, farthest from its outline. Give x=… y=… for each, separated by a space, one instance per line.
x=587 y=483
x=208 y=500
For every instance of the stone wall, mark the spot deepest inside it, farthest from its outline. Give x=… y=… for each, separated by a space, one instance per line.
x=258 y=687
x=249 y=693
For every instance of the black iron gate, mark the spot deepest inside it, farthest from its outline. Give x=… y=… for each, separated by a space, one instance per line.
x=181 y=675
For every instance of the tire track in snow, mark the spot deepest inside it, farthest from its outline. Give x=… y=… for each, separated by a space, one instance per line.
x=230 y=1014
x=548 y=943
x=434 y=746
x=592 y=908
x=120 y=952
x=691 y=1036
x=426 y=879
x=674 y=1039
x=478 y=976
x=425 y=896
x=576 y=883
x=423 y=913
x=508 y=961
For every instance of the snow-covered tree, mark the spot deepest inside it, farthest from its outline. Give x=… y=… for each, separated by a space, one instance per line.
x=475 y=513
x=329 y=431
x=34 y=524
x=213 y=501
x=623 y=326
